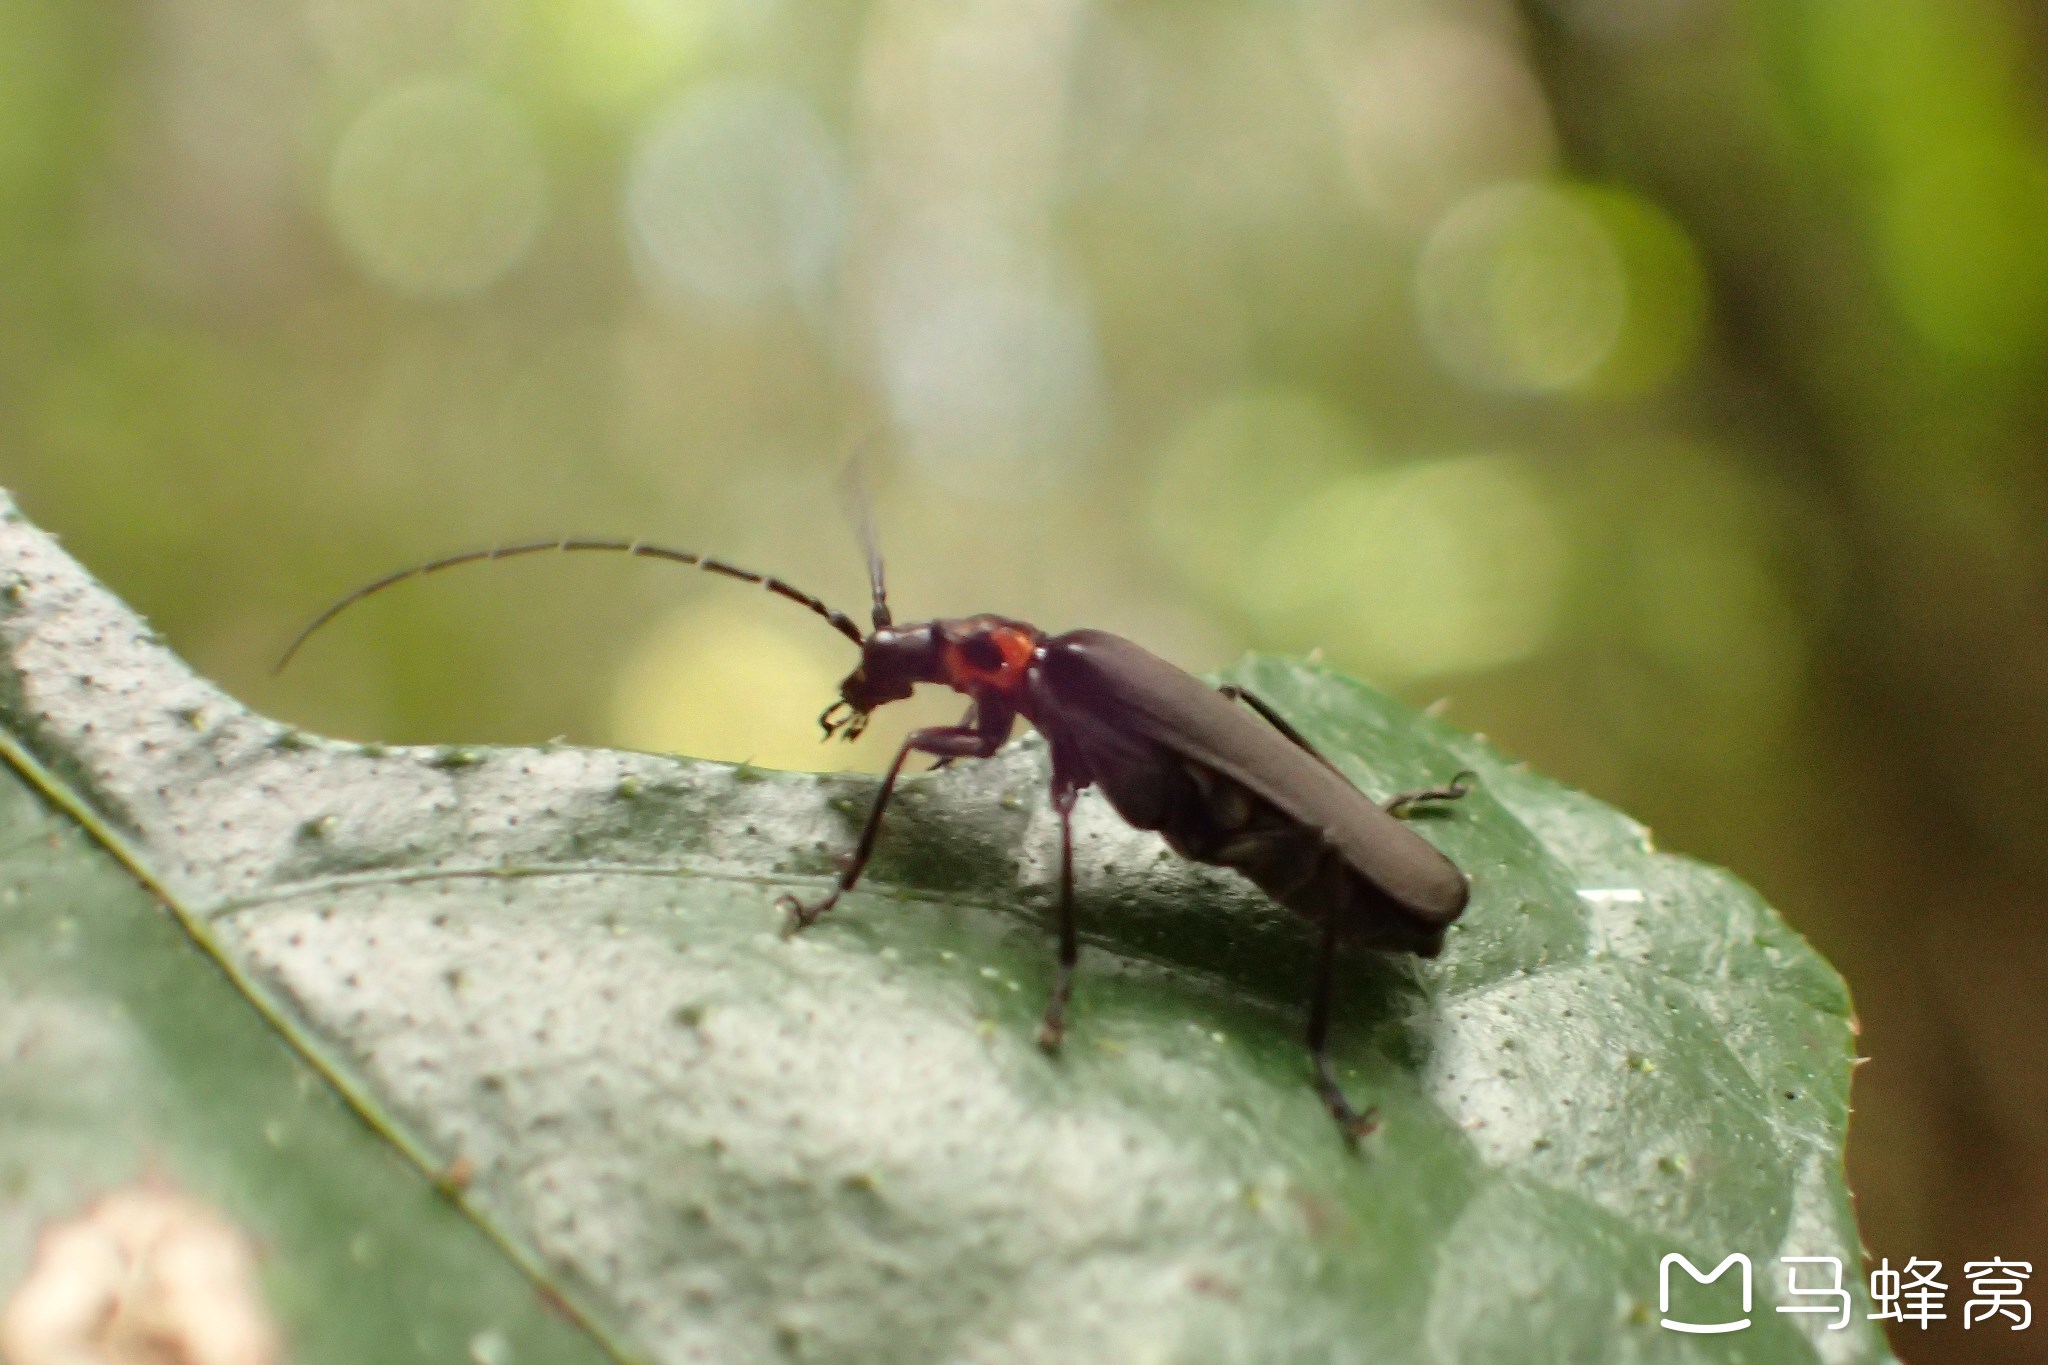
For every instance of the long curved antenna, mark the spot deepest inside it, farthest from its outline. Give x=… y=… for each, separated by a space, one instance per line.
x=853 y=487
x=838 y=620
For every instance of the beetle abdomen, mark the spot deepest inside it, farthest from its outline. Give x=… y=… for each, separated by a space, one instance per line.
x=1208 y=817
x=1139 y=727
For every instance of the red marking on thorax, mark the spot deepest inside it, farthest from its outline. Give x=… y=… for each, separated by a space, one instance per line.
x=1016 y=646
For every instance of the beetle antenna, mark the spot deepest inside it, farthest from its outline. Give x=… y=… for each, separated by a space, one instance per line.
x=838 y=620
x=860 y=508
x=882 y=617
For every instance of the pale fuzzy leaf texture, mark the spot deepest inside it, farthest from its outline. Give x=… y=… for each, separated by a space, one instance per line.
x=560 y=971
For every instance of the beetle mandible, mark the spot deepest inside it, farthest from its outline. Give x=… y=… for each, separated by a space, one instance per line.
x=1219 y=784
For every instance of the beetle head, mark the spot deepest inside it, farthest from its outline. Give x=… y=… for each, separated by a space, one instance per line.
x=893 y=661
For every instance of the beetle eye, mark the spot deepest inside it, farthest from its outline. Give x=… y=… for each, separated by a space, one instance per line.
x=982 y=651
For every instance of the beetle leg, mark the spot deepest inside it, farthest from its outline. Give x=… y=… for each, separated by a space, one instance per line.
x=1054 y=1026
x=967 y=722
x=1402 y=803
x=944 y=741
x=1398 y=805
x=1278 y=722
x=1353 y=1124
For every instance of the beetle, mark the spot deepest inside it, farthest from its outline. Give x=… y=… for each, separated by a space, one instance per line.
x=1220 y=775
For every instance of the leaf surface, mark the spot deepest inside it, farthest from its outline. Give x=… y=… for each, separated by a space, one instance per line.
x=561 y=970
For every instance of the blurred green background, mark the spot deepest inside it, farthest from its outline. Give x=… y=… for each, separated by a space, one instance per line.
x=1657 y=381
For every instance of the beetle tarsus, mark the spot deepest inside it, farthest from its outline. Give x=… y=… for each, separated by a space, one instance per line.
x=1364 y=1125
x=1053 y=1027
x=1352 y=1123
x=1051 y=1033
x=797 y=916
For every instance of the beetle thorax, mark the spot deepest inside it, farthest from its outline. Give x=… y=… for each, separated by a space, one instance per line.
x=986 y=655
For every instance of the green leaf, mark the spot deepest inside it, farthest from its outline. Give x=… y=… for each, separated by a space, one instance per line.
x=563 y=969
x=127 y=1056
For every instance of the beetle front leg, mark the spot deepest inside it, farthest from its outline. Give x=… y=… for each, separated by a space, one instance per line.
x=970 y=721
x=1054 y=1026
x=943 y=741
x=1353 y=1124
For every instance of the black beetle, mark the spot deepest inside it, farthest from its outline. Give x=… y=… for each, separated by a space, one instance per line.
x=1170 y=752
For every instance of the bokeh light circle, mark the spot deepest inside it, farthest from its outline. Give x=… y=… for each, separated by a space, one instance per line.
x=725 y=681
x=737 y=193
x=378 y=41
x=994 y=389
x=1429 y=111
x=1705 y=599
x=612 y=56
x=437 y=189
x=1233 y=468
x=1963 y=237
x=1433 y=568
x=1521 y=288
x=1667 y=292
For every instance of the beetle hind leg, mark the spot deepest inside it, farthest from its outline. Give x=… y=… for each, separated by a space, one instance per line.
x=1279 y=722
x=1402 y=804
x=1351 y=1122
x=1053 y=1027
